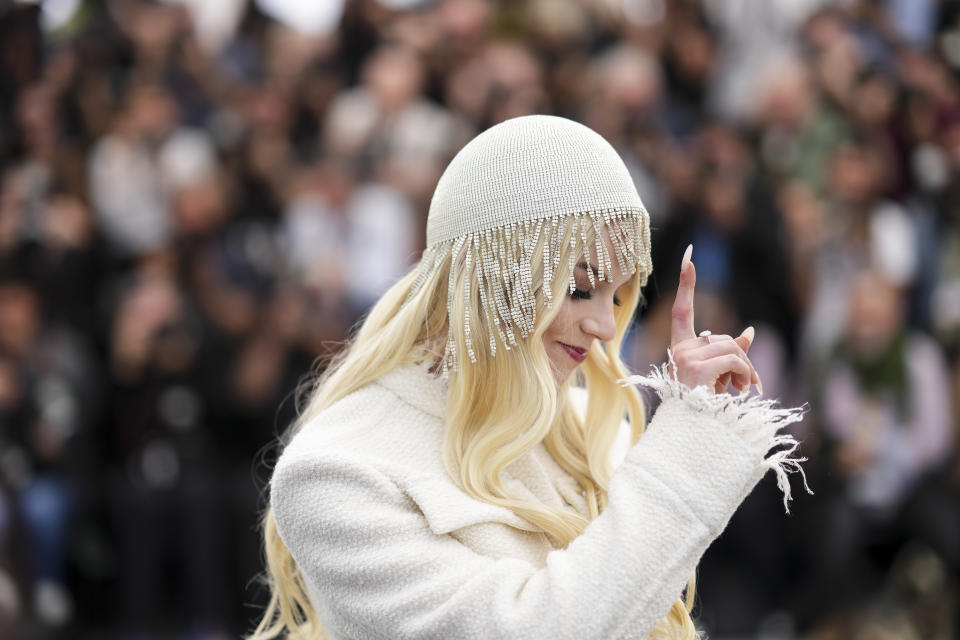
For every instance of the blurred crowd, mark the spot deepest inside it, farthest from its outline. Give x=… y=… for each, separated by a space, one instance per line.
x=199 y=199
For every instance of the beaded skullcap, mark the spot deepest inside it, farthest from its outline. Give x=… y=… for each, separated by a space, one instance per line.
x=519 y=180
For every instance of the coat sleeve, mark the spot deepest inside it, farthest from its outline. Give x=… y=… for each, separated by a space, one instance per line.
x=379 y=572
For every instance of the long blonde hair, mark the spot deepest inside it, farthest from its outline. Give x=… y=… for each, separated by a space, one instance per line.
x=487 y=399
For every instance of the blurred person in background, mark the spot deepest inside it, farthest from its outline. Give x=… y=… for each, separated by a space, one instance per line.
x=387 y=118
x=861 y=229
x=164 y=492
x=50 y=407
x=126 y=187
x=887 y=427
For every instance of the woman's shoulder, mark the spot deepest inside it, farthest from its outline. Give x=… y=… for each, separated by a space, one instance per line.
x=396 y=420
x=379 y=445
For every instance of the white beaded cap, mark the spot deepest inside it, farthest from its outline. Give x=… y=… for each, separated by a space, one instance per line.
x=525 y=179
x=524 y=169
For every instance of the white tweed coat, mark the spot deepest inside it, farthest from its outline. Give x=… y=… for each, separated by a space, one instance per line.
x=391 y=548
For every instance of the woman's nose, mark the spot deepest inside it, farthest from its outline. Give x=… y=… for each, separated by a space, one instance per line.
x=600 y=323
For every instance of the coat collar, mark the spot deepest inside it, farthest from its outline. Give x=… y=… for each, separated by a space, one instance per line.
x=416 y=385
x=536 y=476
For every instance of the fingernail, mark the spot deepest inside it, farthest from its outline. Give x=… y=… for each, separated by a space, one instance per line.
x=686 y=258
x=760 y=387
x=748 y=333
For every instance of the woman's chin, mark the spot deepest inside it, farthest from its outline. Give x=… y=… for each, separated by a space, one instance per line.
x=561 y=372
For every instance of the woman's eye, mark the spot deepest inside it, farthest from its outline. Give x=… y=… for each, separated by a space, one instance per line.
x=584 y=294
x=580 y=294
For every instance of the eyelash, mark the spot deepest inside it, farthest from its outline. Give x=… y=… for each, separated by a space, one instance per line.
x=583 y=294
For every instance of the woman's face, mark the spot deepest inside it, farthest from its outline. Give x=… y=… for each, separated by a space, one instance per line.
x=585 y=315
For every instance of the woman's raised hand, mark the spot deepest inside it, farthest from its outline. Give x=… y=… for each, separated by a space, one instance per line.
x=711 y=360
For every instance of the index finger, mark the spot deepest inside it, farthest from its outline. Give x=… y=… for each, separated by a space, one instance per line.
x=681 y=327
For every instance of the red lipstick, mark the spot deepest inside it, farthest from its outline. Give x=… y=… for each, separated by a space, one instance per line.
x=578 y=354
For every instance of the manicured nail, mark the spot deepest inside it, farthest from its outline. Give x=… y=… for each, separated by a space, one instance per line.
x=686 y=259
x=748 y=333
x=759 y=387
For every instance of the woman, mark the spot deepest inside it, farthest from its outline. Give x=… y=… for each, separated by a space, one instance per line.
x=445 y=482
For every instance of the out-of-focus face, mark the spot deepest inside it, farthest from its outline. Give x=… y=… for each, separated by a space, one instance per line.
x=875 y=313
x=853 y=175
x=586 y=315
x=395 y=75
x=19 y=318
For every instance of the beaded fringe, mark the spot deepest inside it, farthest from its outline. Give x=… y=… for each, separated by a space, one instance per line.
x=504 y=259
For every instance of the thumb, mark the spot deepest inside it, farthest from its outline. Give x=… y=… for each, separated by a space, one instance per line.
x=745 y=339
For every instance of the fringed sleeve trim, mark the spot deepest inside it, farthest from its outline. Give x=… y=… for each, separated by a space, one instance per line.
x=760 y=422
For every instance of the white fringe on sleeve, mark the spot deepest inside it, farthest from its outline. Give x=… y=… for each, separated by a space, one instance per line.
x=759 y=421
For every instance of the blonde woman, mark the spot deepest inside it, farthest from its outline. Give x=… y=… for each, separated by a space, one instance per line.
x=472 y=466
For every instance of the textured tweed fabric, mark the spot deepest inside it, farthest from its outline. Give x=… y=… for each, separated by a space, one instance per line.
x=391 y=548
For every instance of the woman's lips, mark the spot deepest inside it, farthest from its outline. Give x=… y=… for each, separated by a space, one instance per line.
x=577 y=353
